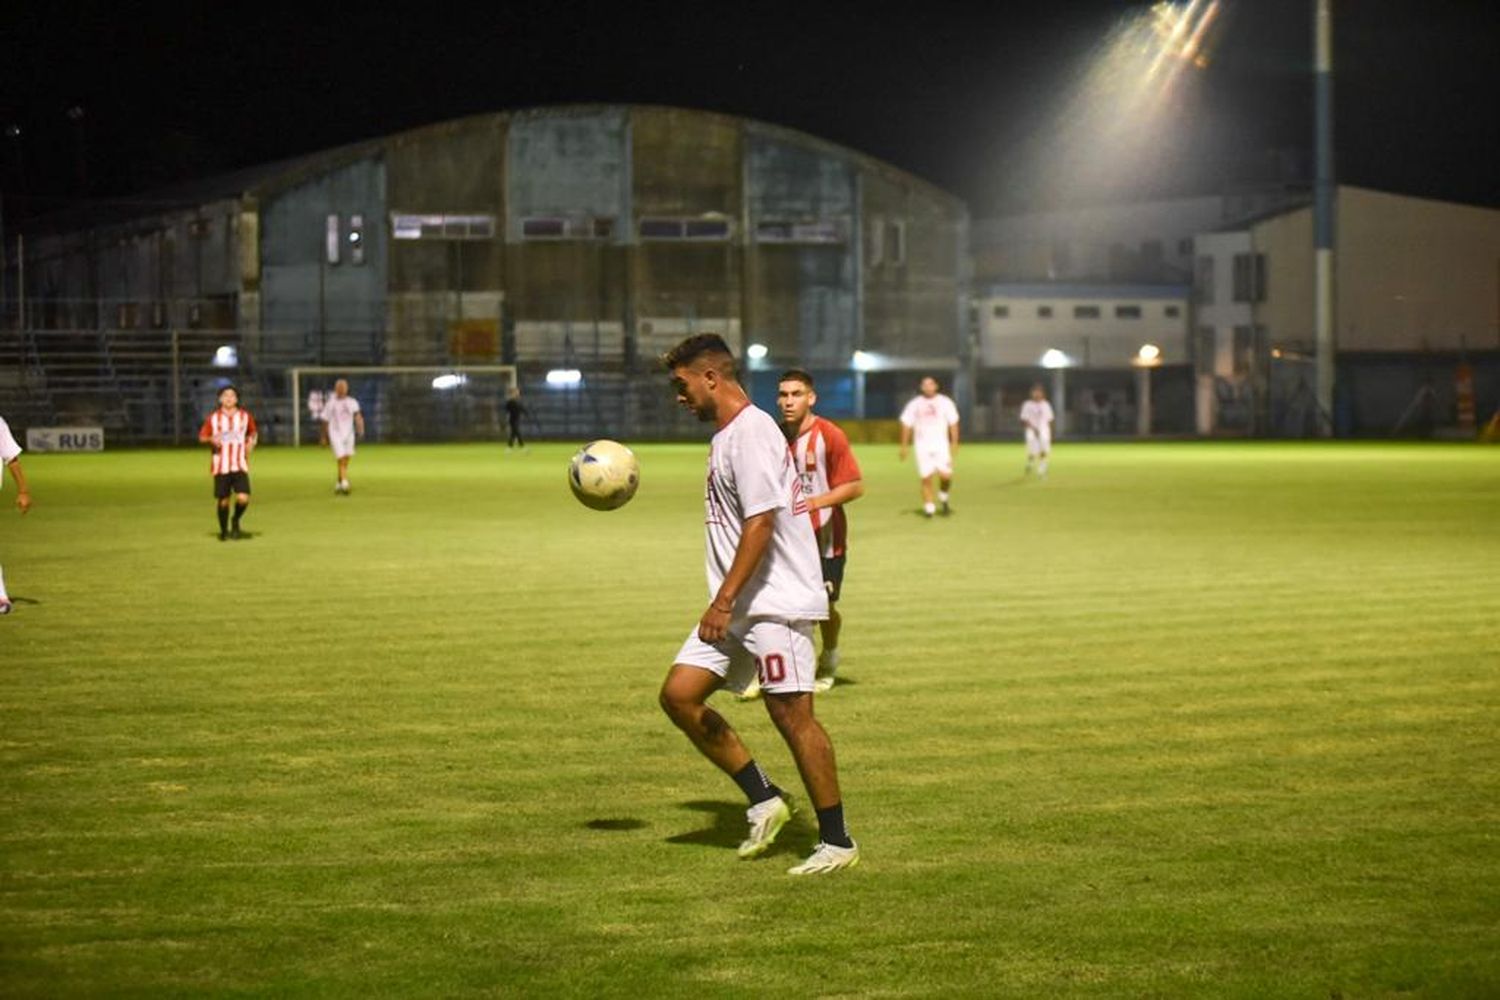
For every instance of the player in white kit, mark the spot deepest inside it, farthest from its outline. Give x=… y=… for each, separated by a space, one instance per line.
x=10 y=457
x=1036 y=417
x=766 y=592
x=931 y=420
x=342 y=423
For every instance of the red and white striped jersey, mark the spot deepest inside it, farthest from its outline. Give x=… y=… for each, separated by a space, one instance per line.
x=824 y=460
x=235 y=431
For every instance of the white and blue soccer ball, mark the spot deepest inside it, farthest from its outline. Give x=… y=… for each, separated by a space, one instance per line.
x=604 y=475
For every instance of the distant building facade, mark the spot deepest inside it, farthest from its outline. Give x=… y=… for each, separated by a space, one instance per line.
x=585 y=237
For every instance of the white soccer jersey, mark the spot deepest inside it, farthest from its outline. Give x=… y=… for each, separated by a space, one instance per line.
x=339 y=415
x=1037 y=413
x=750 y=472
x=929 y=420
x=9 y=449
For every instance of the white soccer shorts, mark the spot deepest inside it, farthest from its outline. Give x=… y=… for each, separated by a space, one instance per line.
x=1038 y=442
x=934 y=461
x=342 y=446
x=780 y=653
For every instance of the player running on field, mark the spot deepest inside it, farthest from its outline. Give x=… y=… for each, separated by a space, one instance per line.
x=766 y=590
x=232 y=433
x=932 y=420
x=342 y=422
x=10 y=457
x=830 y=478
x=1036 y=416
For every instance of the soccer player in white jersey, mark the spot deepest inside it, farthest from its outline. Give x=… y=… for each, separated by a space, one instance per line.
x=1037 y=416
x=10 y=457
x=932 y=420
x=341 y=424
x=830 y=478
x=766 y=590
x=231 y=432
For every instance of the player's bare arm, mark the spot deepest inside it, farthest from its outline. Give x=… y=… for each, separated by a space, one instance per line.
x=359 y=425
x=23 y=495
x=905 y=441
x=754 y=541
x=840 y=494
x=953 y=437
x=323 y=432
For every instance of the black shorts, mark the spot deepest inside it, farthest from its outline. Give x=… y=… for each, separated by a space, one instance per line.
x=833 y=576
x=226 y=483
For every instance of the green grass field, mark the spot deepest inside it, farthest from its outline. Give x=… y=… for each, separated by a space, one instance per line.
x=1212 y=720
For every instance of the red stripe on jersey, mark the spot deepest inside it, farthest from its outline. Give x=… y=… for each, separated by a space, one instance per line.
x=824 y=461
x=233 y=455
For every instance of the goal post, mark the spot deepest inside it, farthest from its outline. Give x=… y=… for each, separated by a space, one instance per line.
x=457 y=377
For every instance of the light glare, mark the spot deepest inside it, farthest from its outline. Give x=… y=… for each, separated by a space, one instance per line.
x=1053 y=358
x=564 y=378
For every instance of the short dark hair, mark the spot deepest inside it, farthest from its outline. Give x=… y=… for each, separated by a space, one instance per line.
x=224 y=388
x=797 y=375
x=698 y=346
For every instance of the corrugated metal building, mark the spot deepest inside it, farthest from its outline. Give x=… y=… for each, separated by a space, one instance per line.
x=587 y=237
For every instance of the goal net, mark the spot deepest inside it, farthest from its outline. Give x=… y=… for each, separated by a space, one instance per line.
x=408 y=403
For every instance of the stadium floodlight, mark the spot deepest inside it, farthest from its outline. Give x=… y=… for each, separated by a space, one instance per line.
x=564 y=378
x=227 y=356
x=1053 y=358
x=1148 y=356
x=864 y=361
x=757 y=352
x=449 y=381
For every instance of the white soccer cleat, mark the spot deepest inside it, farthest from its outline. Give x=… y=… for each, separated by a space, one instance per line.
x=4 y=606
x=828 y=665
x=827 y=858
x=751 y=692
x=766 y=820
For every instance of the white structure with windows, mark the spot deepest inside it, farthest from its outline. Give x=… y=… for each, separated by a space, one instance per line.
x=1092 y=326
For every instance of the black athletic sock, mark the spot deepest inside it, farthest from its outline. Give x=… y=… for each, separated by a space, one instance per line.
x=223 y=519
x=831 y=826
x=754 y=783
x=239 y=512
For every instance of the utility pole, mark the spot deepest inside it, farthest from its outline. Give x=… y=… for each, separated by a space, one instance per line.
x=1324 y=195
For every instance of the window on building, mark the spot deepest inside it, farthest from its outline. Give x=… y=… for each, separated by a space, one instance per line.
x=1171 y=312
x=875 y=242
x=1002 y=312
x=1044 y=312
x=1203 y=279
x=815 y=232
x=442 y=227
x=897 y=241
x=658 y=228
x=1085 y=312
x=1249 y=277
x=559 y=227
x=1127 y=312
x=1185 y=247
x=331 y=243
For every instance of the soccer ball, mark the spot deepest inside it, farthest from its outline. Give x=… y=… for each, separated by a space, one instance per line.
x=604 y=475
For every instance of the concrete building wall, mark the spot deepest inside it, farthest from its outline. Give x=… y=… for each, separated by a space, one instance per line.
x=1411 y=274
x=1101 y=327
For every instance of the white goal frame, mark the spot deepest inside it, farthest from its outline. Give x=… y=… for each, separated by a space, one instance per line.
x=351 y=370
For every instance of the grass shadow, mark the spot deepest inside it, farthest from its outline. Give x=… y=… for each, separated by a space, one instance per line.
x=728 y=828
x=620 y=823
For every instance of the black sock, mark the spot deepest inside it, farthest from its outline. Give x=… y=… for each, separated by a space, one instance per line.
x=754 y=783
x=239 y=512
x=831 y=826
x=223 y=519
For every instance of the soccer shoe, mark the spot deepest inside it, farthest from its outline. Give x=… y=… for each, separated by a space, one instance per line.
x=827 y=858
x=751 y=692
x=946 y=509
x=5 y=606
x=235 y=533
x=223 y=536
x=828 y=665
x=766 y=820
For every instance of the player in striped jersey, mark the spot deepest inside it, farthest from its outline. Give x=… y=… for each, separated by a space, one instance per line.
x=10 y=457
x=830 y=478
x=232 y=433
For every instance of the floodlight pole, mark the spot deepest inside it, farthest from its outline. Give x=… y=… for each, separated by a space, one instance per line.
x=1324 y=195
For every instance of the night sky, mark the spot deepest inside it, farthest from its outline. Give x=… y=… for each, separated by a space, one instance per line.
x=960 y=94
